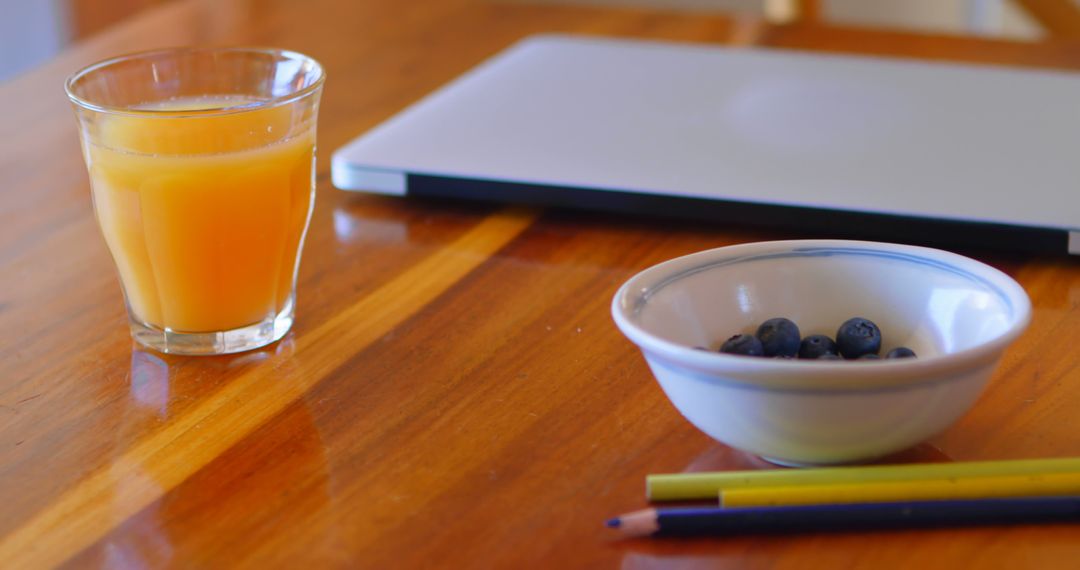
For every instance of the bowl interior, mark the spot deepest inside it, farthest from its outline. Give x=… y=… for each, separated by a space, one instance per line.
x=928 y=304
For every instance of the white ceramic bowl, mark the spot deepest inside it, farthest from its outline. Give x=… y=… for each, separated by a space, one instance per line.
x=956 y=313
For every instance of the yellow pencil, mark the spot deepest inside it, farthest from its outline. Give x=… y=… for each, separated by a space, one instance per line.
x=683 y=486
x=1041 y=485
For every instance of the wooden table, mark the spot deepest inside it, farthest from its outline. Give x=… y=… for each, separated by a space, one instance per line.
x=454 y=393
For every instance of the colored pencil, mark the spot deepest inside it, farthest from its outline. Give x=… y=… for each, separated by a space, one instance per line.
x=914 y=490
x=682 y=486
x=866 y=516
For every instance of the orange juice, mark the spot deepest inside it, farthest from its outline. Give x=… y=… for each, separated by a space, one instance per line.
x=204 y=215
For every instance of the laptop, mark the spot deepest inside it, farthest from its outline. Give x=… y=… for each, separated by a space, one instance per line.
x=831 y=145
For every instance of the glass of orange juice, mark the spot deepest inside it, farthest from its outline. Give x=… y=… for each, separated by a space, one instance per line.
x=202 y=171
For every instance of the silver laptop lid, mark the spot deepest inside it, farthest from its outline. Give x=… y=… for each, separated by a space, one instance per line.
x=971 y=144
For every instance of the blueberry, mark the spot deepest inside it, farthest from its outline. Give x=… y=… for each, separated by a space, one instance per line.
x=858 y=336
x=816 y=346
x=829 y=356
x=869 y=356
x=744 y=344
x=901 y=352
x=779 y=337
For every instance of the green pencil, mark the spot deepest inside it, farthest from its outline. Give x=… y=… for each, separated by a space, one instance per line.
x=684 y=486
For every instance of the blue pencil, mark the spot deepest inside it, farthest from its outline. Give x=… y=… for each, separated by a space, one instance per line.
x=817 y=518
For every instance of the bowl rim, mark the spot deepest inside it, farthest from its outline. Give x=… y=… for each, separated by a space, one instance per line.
x=817 y=375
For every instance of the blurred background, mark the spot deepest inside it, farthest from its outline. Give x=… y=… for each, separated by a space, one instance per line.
x=32 y=31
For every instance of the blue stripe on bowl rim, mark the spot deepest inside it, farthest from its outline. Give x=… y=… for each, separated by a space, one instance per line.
x=827 y=251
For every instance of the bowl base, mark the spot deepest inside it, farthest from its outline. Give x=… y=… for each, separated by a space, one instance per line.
x=797 y=464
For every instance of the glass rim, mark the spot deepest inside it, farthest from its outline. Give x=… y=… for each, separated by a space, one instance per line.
x=212 y=111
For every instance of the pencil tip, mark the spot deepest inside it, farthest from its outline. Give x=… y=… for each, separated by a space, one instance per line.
x=614 y=523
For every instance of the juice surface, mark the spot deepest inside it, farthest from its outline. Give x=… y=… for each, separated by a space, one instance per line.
x=204 y=216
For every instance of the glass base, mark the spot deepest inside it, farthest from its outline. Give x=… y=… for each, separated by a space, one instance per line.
x=223 y=342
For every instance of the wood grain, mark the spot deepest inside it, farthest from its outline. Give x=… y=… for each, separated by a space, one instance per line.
x=88 y=17
x=454 y=393
x=1059 y=17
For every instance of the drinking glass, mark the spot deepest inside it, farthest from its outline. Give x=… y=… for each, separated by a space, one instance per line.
x=202 y=165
